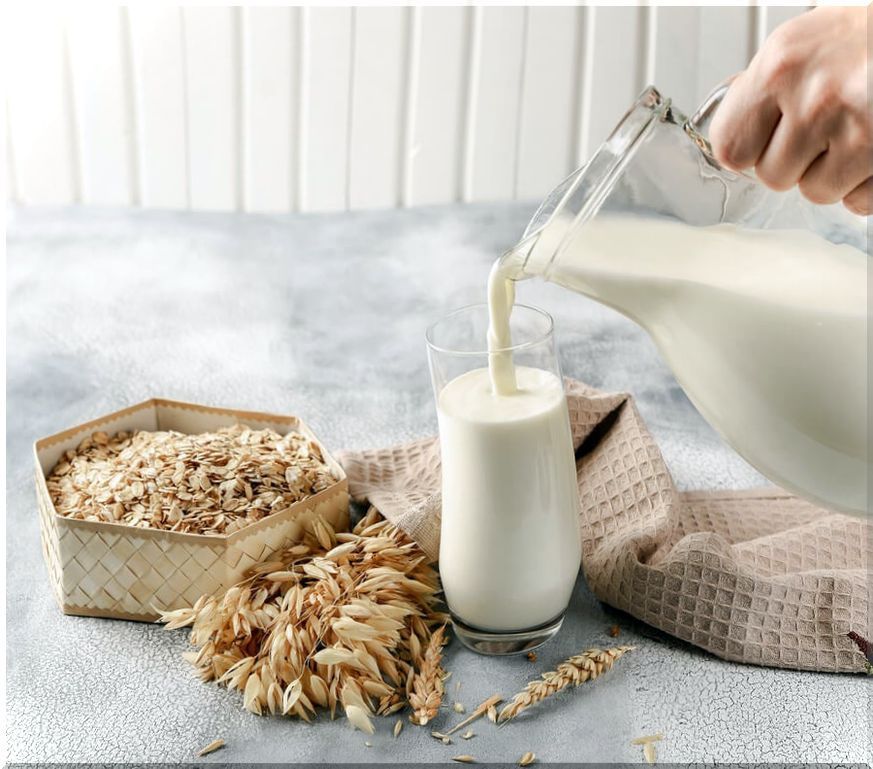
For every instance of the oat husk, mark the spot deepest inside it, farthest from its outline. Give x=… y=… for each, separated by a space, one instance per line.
x=649 y=753
x=481 y=709
x=574 y=671
x=426 y=686
x=209 y=483
x=211 y=747
x=341 y=620
x=646 y=738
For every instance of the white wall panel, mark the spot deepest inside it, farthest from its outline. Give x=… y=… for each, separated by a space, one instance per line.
x=327 y=108
x=677 y=56
x=716 y=60
x=436 y=104
x=270 y=63
x=102 y=104
x=496 y=61
x=548 y=131
x=774 y=15
x=211 y=36
x=377 y=108
x=159 y=84
x=39 y=103
x=324 y=125
x=11 y=187
x=618 y=71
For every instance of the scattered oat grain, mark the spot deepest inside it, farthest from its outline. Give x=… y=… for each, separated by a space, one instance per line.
x=459 y=708
x=464 y=759
x=649 y=752
x=527 y=759
x=398 y=727
x=647 y=738
x=480 y=710
x=211 y=747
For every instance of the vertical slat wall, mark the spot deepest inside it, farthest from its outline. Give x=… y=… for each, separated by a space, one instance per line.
x=100 y=60
x=437 y=102
x=270 y=77
x=378 y=102
x=326 y=78
x=494 y=102
x=213 y=90
x=158 y=83
x=549 y=98
x=42 y=137
x=330 y=108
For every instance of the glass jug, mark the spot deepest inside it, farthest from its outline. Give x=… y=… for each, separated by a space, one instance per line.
x=756 y=299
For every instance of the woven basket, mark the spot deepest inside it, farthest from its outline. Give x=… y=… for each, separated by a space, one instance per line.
x=113 y=570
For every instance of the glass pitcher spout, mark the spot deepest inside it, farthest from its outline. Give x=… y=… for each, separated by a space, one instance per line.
x=756 y=299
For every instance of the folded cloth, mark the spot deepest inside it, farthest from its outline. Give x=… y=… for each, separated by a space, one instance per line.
x=751 y=576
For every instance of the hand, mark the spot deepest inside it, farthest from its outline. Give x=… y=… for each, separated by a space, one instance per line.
x=800 y=114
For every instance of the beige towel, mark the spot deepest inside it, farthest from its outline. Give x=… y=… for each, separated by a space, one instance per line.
x=751 y=576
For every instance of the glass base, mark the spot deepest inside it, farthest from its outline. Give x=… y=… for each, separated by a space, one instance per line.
x=495 y=643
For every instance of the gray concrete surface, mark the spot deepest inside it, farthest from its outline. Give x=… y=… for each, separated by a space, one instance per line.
x=323 y=316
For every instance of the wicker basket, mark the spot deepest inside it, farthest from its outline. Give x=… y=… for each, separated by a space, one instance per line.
x=112 y=570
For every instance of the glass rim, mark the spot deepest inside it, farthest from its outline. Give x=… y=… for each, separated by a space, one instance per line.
x=539 y=339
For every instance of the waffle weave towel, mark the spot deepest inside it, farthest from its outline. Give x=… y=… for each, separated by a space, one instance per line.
x=759 y=577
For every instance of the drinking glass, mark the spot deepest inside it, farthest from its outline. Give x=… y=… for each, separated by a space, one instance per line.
x=509 y=536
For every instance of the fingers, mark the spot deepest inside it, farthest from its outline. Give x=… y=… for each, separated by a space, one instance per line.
x=835 y=174
x=743 y=124
x=860 y=200
x=788 y=155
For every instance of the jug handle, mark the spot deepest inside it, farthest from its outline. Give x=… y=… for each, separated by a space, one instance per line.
x=697 y=126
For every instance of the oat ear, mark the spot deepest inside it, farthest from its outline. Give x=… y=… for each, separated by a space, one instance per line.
x=356 y=625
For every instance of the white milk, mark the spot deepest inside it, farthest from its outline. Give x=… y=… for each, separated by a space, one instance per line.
x=765 y=330
x=509 y=549
x=501 y=297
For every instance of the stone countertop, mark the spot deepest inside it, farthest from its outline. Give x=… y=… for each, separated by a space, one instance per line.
x=323 y=316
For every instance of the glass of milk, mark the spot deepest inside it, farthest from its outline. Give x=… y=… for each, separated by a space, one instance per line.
x=509 y=548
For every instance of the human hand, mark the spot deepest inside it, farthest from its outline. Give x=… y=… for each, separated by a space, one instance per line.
x=799 y=114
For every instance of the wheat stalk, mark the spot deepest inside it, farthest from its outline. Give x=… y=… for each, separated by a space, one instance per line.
x=576 y=670
x=338 y=620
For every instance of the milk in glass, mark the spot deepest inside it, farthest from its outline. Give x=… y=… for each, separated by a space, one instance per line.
x=509 y=550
